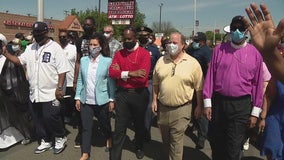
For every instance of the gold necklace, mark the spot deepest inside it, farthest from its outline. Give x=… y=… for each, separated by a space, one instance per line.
x=135 y=57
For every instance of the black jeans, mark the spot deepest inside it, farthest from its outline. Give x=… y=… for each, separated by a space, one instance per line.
x=47 y=121
x=228 y=126
x=130 y=105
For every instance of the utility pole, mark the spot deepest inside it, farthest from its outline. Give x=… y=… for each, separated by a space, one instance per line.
x=194 y=22
x=160 y=22
x=99 y=18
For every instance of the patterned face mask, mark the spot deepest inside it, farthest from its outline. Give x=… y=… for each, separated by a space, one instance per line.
x=94 y=51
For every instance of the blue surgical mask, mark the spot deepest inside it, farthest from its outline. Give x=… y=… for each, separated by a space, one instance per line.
x=237 y=36
x=195 y=45
x=15 y=48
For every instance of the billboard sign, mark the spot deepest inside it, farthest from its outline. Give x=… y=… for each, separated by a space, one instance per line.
x=121 y=9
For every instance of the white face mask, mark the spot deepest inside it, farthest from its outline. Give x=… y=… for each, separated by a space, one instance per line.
x=107 y=35
x=15 y=48
x=172 y=49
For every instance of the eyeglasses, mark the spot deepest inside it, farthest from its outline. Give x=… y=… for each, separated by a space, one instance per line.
x=173 y=69
x=241 y=28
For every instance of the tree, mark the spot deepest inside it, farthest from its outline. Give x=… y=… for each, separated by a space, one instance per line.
x=166 y=27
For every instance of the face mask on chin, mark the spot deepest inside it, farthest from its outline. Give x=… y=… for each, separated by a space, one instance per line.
x=172 y=49
x=129 y=45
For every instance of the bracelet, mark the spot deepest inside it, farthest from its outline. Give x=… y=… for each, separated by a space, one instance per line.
x=59 y=88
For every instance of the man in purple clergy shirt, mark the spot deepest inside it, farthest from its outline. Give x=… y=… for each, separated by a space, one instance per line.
x=232 y=92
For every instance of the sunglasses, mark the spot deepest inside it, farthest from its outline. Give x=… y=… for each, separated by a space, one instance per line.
x=173 y=70
x=241 y=28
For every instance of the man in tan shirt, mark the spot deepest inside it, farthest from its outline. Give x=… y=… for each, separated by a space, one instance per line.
x=175 y=77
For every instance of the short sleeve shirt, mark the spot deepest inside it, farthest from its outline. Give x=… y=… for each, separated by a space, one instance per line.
x=43 y=64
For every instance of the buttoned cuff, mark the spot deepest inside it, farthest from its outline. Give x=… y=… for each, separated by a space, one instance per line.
x=256 y=111
x=124 y=75
x=207 y=102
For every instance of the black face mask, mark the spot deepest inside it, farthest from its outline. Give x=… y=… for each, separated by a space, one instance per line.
x=40 y=38
x=88 y=29
x=129 y=45
x=143 y=40
x=63 y=41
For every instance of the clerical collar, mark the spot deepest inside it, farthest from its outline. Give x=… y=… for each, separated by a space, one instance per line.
x=238 y=46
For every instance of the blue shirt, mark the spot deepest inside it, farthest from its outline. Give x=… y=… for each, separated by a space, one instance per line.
x=202 y=55
x=155 y=55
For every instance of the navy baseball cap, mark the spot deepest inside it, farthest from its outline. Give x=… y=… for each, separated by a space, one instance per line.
x=39 y=28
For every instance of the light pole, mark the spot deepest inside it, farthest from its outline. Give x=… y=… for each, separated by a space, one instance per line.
x=99 y=18
x=160 y=22
x=194 y=22
x=40 y=10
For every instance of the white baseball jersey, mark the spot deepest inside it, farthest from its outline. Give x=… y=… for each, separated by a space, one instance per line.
x=71 y=54
x=43 y=64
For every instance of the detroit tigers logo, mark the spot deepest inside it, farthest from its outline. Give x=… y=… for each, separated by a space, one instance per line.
x=46 y=57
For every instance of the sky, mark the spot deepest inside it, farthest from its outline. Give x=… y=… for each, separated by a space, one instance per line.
x=211 y=14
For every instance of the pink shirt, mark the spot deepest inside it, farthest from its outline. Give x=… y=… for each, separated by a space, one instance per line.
x=234 y=73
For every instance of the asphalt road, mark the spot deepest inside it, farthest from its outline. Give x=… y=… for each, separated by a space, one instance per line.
x=152 y=149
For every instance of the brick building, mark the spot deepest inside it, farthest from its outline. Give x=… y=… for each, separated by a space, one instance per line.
x=10 y=24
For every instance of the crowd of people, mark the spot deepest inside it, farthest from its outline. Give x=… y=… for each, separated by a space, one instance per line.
x=223 y=91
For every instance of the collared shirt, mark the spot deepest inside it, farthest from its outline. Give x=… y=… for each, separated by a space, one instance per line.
x=91 y=81
x=114 y=46
x=71 y=54
x=139 y=58
x=177 y=81
x=43 y=64
x=235 y=71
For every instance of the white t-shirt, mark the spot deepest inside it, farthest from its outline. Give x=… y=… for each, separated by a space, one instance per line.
x=2 y=62
x=71 y=54
x=44 y=63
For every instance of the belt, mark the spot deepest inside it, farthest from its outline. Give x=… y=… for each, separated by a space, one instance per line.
x=216 y=94
x=188 y=102
x=131 y=90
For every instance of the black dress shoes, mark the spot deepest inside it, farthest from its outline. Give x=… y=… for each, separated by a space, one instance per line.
x=139 y=154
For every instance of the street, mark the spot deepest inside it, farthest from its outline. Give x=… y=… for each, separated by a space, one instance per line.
x=152 y=149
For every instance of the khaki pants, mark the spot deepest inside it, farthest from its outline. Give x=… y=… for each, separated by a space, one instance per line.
x=173 y=122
